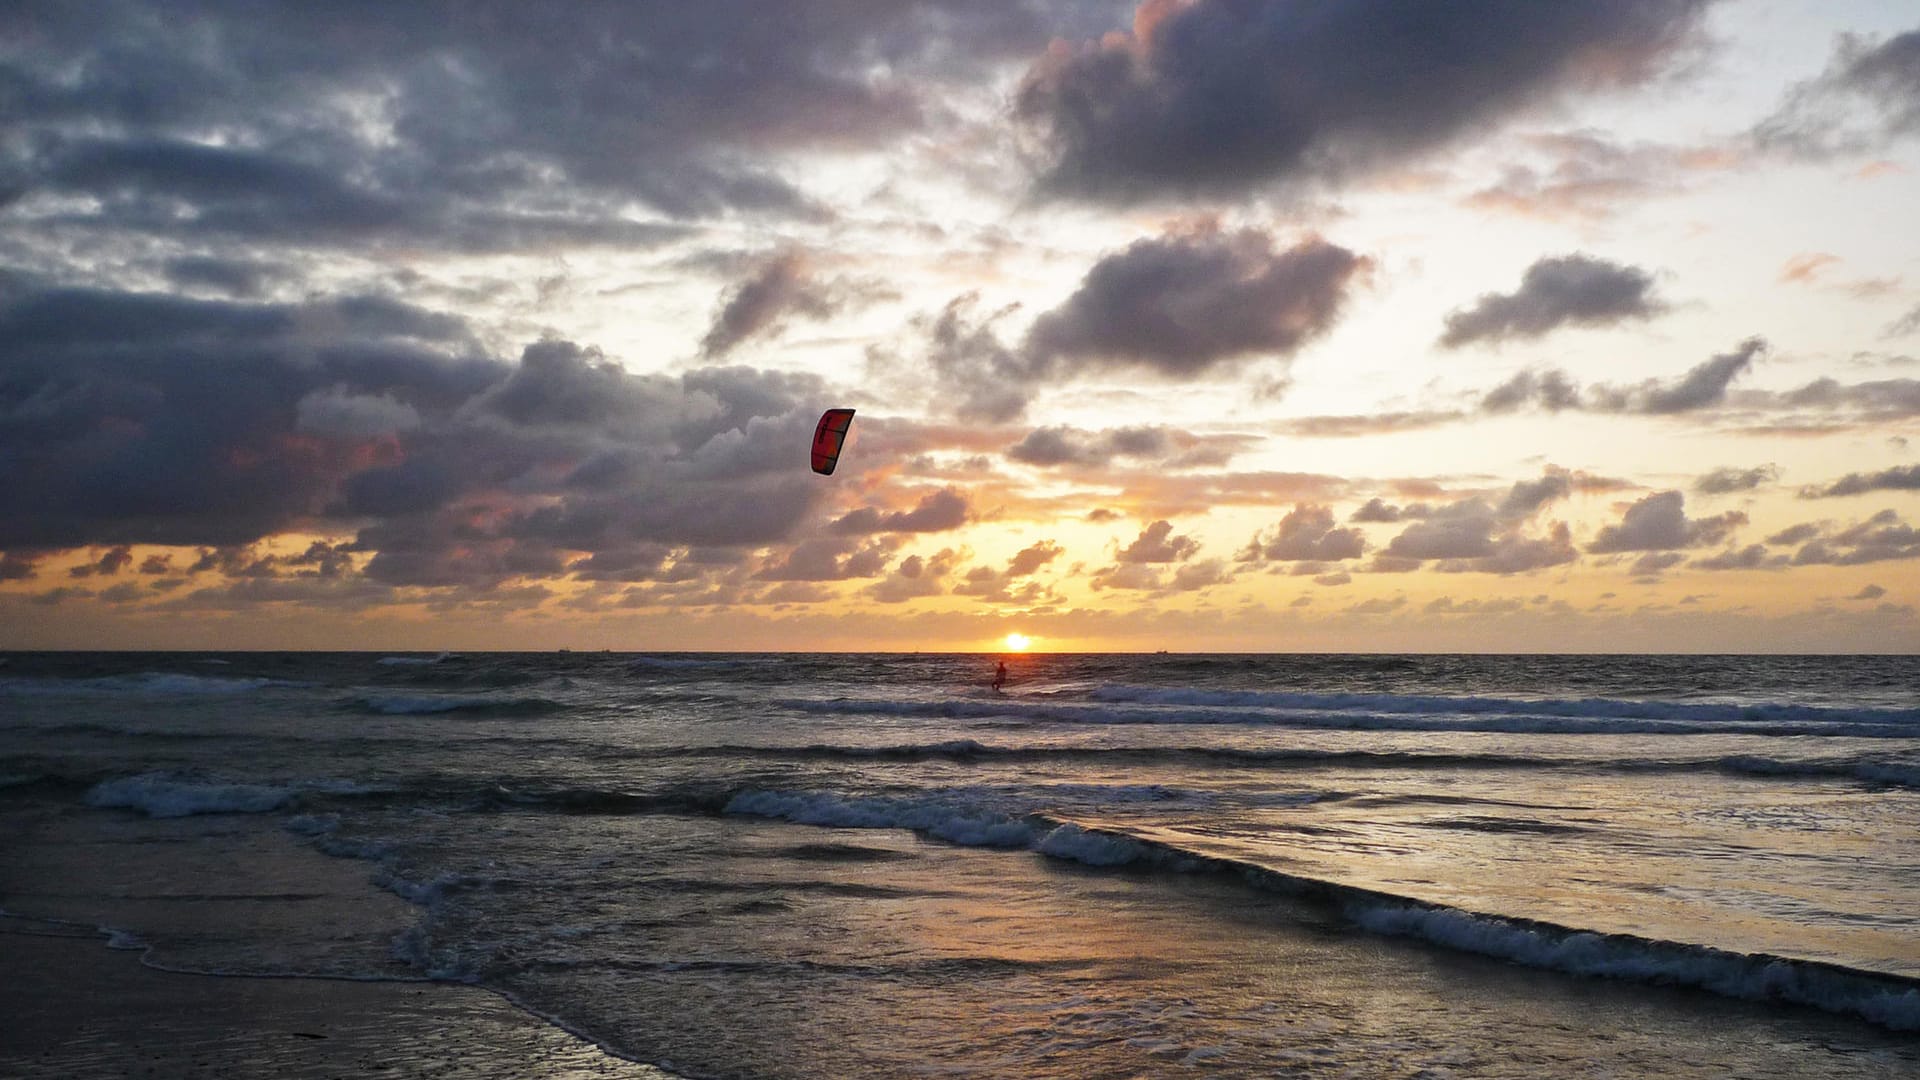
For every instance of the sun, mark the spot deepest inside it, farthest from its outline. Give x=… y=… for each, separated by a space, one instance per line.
x=1018 y=642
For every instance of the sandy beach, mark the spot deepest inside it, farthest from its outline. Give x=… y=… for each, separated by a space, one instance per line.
x=77 y=1005
x=78 y=1009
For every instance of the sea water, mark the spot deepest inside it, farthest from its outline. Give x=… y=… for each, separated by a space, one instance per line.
x=1123 y=865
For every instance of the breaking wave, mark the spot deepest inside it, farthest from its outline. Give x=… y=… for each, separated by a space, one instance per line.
x=1386 y=712
x=1887 y=1000
x=430 y=704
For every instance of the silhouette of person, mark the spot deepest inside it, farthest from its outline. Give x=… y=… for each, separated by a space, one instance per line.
x=1000 y=675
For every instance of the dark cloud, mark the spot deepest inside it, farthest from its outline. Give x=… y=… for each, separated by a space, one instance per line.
x=1878 y=78
x=829 y=558
x=1659 y=522
x=783 y=286
x=1379 y=511
x=1870 y=592
x=1360 y=425
x=132 y=418
x=1729 y=479
x=936 y=512
x=18 y=566
x=1897 y=478
x=915 y=577
x=1063 y=445
x=1218 y=96
x=1168 y=447
x=1550 y=390
x=1006 y=585
x=1703 y=386
x=1880 y=399
x=1567 y=290
x=1880 y=538
x=1157 y=544
x=242 y=279
x=978 y=376
x=1473 y=536
x=1654 y=563
x=1795 y=534
x=1306 y=534
x=484 y=120
x=1751 y=557
x=1182 y=304
x=1905 y=324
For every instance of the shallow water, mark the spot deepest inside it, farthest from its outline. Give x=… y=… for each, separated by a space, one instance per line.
x=1125 y=865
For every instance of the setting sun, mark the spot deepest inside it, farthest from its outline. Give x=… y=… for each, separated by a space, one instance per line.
x=1018 y=642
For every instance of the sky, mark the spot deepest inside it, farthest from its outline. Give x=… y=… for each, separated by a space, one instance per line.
x=1196 y=325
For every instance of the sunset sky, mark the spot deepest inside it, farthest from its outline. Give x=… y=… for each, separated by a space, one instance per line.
x=1349 y=325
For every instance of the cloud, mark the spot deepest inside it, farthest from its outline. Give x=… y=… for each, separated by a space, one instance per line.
x=1703 y=386
x=1306 y=534
x=1820 y=117
x=1659 y=523
x=1063 y=445
x=134 y=418
x=1567 y=290
x=783 y=286
x=1379 y=511
x=1587 y=176
x=1869 y=592
x=1217 y=97
x=828 y=558
x=1897 y=478
x=1157 y=544
x=1473 y=536
x=1182 y=304
x=1006 y=585
x=917 y=576
x=936 y=512
x=1751 y=557
x=1729 y=479
x=1881 y=538
x=498 y=127
x=1803 y=268
x=1700 y=387
x=1904 y=325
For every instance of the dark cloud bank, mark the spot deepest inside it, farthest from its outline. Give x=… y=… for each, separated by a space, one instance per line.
x=1177 y=306
x=132 y=418
x=1219 y=96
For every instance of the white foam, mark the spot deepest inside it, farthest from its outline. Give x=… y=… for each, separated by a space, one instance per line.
x=959 y=825
x=145 y=684
x=162 y=796
x=412 y=661
x=1387 y=712
x=1582 y=953
x=1070 y=841
x=430 y=704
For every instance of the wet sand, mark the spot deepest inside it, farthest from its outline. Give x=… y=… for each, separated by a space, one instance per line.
x=77 y=1009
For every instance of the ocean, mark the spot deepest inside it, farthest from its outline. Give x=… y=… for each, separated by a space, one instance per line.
x=1122 y=866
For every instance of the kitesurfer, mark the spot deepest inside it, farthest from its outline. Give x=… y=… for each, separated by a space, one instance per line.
x=1000 y=676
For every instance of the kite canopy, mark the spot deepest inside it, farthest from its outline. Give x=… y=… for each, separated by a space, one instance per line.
x=829 y=437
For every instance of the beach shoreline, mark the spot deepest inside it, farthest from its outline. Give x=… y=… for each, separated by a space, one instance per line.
x=79 y=1009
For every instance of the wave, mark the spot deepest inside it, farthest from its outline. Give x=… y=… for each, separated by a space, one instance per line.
x=1896 y=773
x=1607 y=717
x=1887 y=1000
x=430 y=704
x=1608 y=708
x=159 y=684
x=413 y=661
x=162 y=796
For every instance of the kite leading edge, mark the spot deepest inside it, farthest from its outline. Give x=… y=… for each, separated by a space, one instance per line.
x=829 y=437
